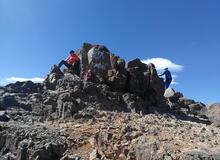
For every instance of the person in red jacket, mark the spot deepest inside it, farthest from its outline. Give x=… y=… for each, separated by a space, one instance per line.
x=72 y=61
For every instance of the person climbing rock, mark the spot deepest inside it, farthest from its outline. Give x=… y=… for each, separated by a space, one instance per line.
x=71 y=62
x=168 y=77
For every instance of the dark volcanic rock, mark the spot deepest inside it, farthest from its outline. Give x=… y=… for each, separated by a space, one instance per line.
x=4 y=117
x=182 y=105
x=137 y=63
x=32 y=142
x=67 y=115
x=24 y=87
x=99 y=62
x=117 y=79
x=138 y=82
x=51 y=80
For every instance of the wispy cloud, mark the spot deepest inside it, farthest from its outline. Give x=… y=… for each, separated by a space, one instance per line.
x=174 y=76
x=161 y=63
x=7 y=80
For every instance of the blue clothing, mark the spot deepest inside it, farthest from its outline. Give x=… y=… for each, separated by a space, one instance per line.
x=167 y=83
x=64 y=63
x=75 y=66
x=167 y=74
x=168 y=78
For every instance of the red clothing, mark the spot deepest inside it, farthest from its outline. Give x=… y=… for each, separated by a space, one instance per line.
x=88 y=75
x=72 y=58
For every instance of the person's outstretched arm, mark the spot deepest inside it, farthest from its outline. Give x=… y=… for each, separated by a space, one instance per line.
x=162 y=74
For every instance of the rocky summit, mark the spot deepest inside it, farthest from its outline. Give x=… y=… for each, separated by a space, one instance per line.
x=122 y=113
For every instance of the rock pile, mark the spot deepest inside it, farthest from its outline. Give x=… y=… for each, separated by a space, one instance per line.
x=178 y=102
x=134 y=77
x=122 y=113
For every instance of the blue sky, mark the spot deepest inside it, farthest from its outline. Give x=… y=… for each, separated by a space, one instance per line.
x=34 y=34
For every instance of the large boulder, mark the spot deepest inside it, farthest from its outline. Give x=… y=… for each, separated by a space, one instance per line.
x=144 y=81
x=138 y=82
x=99 y=62
x=117 y=79
x=169 y=92
x=213 y=114
x=172 y=95
x=136 y=63
x=155 y=82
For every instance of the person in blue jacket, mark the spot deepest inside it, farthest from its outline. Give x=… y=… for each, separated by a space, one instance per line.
x=168 y=77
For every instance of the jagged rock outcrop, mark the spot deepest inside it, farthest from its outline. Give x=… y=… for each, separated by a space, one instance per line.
x=51 y=80
x=111 y=80
x=122 y=113
x=181 y=104
x=99 y=62
x=213 y=113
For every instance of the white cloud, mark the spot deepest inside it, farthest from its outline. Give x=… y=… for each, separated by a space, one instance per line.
x=161 y=63
x=7 y=80
x=174 y=76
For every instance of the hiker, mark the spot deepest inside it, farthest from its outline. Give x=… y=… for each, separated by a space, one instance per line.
x=72 y=61
x=168 y=77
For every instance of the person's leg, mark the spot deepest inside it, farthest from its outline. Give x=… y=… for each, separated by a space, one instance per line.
x=167 y=83
x=61 y=63
x=65 y=63
x=76 y=67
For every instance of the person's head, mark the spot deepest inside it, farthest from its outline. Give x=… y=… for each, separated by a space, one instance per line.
x=72 y=52
x=165 y=69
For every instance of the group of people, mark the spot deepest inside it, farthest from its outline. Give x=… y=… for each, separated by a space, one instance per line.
x=73 y=62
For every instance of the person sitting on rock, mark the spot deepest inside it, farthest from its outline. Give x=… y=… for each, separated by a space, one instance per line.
x=71 y=62
x=168 y=77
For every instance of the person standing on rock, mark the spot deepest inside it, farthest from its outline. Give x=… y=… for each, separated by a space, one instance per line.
x=72 y=61
x=168 y=77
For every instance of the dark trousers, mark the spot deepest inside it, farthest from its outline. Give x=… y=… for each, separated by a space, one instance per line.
x=75 y=66
x=167 y=82
x=64 y=63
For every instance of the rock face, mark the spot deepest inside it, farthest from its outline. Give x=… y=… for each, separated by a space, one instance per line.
x=122 y=113
x=110 y=70
x=99 y=62
x=177 y=102
x=30 y=142
x=213 y=113
x=52 y=78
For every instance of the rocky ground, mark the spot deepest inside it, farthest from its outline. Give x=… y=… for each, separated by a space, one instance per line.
x=109 y=135
x=122 y=113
